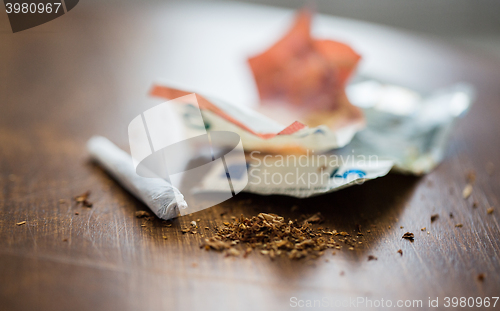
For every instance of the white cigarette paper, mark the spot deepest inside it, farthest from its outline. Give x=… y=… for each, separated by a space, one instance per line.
x=158 y=194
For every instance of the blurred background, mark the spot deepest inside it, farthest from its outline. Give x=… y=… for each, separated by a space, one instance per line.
x=472 y=23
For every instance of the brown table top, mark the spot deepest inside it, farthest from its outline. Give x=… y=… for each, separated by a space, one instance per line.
x=88 y=73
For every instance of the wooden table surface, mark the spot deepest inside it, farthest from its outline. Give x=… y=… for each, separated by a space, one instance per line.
x=88 y=72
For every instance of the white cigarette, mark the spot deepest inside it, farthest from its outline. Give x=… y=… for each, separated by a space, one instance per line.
x=158 y=194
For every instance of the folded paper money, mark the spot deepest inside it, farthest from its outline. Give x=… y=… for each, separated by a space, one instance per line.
x=302 y=78
x=260 y=132
x=406 y=132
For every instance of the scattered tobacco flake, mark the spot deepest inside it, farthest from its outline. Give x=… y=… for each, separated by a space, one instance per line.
x=315 y=219
x=489 y=210
x=471 y=176
x=480 y=277
x=422 y=229
x=21 y=223
x=83 y=199
x=358 y=228
x=141 y=214
x=459 y=225
x=328 y=232
x=193 y=224
x=247 y=251
x=273 y=236
x=371 y=257
x=467 y=191
x=65 y=240
x=474 y=204
x=436 y=216
x=164 y=237
x=76 y=213
x=216 y=243
x=232 y=252
x=409 y=236
x=400 y=251
x=451 y=215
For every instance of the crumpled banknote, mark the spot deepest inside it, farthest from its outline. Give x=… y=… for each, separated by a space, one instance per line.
x=410 y=128
x=406 y=132
x=260 y=132
x=303 y=78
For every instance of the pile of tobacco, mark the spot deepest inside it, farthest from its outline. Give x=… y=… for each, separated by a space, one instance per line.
x=273 y=236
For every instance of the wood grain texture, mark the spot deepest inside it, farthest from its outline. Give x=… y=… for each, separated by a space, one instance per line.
x=88 y=73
